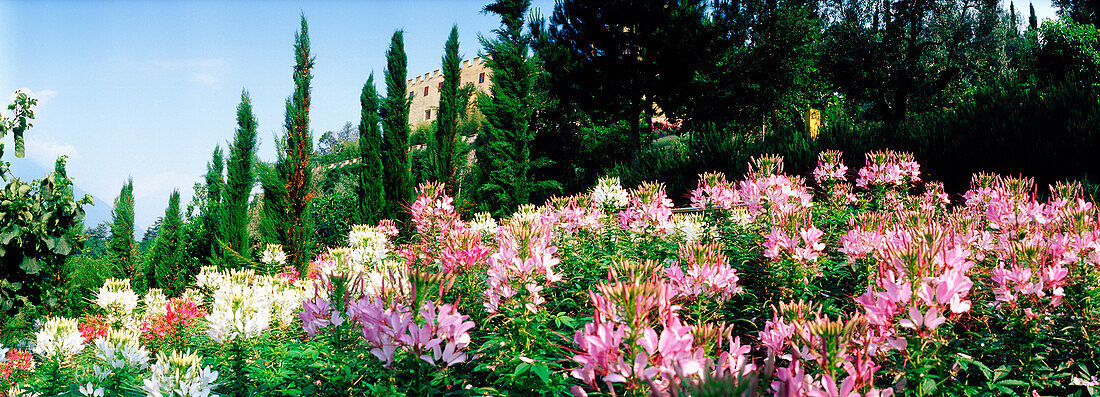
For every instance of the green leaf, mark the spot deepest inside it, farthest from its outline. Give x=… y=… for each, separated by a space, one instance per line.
x=520 y=369
x=30 y=265
x=928 y=386
x=543 y=372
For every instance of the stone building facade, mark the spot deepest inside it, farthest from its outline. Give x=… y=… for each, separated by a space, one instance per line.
x=424 y=89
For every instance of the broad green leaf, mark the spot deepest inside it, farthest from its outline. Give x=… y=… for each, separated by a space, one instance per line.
x=543 y=372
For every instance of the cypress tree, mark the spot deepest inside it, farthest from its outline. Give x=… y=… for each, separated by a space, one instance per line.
x=295 y=169
x=396 y=173
x=1012 y=17
x=123 y=247
x=212 y=208
x=165 y=268
x=288 y=190
x=370 y=191
x=239 y=181
x=442 y=147
x=504 y=145
x=1033 y=22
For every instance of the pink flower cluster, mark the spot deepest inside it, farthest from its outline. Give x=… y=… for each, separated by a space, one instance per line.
x=572 y=217
x=820 y=352
x=888 y=168
x=775 y=193
x=804 y=248
x=622 y=344
x=437 y=334
x=523 y=264
x=649 y=210
x=714 y=191
x=706 y=273
x=433 y=211
x=18 y=365
x=180 y=313
x=922 y=282
x=830 y=168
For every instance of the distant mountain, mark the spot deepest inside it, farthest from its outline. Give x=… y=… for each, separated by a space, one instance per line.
x=27 y=171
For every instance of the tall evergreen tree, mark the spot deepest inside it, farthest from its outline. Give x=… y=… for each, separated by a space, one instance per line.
x=212 y=207
x=239 y=181
x=165 y=268
x=452 y=101
x=504 y=145
x=396 y=174
x=292 y=169
x=123 y=247
x=370 y=190
x=1032 y=21
x=1081 y=11
x=1013 y=19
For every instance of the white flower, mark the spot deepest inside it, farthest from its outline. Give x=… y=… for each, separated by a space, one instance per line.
x=3 y=354
x=209 y=278
x=155 y=302
x=239 y=311
x=121 y=349
x=369 y=246
x=274 y=254
x=484 y=224
x=91 y=390
x=609 y=193
x=59 y=336
x=180 y=374
x=116 y=297
x=690 y=228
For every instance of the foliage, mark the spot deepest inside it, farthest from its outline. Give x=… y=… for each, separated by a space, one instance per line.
x=396 y=174
x=504 y=161
x=442 y=148
x=288 y=188
x=370 y=192
x=239 y=180
x=122 y=245
x=166 y=267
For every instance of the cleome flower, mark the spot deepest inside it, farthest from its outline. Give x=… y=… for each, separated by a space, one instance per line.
x=117 y=299
x=59 y=337
x=273 y=254
x=239 y=311
x=609 y=194
x=180 y=374
x=121 y=349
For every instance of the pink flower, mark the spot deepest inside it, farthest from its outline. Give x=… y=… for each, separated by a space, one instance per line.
x=930 y=320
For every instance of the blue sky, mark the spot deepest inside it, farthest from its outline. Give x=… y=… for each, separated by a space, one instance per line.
x=147 y=88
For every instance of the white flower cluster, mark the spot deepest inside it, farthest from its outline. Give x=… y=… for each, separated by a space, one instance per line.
x=245 y=304
x=239 y=311
x=484 y=224
x=387 y=276
x=180 y=374
x=609 y=193
x=369 y=245
x=156 y=303
x=209 y=278
x=121 y=349
x=59 y=336
x=690 y=228
x=116 y=297
x=3 y=354
x=274 y=254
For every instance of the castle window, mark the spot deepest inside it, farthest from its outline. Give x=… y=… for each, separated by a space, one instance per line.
x=425 y=91
x=481 y=78
x=440 y=86
x=428 y=114
x=411 y=94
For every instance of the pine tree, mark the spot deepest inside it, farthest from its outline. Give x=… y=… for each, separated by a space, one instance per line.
x=452 y=102
x=396 y=174
x=504 y=145
x=288 y=188
x=1032 y=21
x=166 y=268
x=123 y=247
x=212 y=207
x=1013 y=18
x=239 y=182
x=370 y=191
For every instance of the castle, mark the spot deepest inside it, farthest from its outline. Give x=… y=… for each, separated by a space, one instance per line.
x=424 y=89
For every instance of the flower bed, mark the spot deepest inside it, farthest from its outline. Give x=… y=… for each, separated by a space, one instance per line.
x=872 y=286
